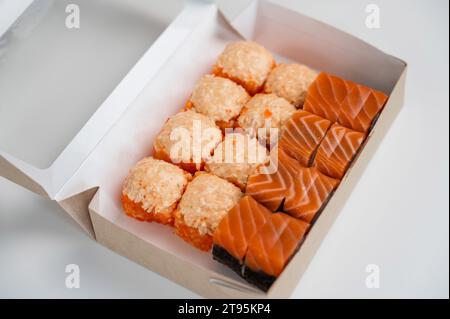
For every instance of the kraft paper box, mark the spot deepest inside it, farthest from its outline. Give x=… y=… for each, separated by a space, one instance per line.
x=86 y=178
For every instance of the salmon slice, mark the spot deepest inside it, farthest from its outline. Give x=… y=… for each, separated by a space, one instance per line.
x=270 y=188
x=272 y=247
x=241 y=223
x=299 y=191
x=360 y=108
x=311 y=192
x=302 y=135
x=352 y=105
x=337 y=150
x=326 y=94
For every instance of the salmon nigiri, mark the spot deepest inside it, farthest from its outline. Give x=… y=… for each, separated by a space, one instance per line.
x=271 y=248
x=235 y=230
x=360 y=107
x=337 y=150
x=302 y=135
x=311 y=192
x=352 y=105
x=270 y=188
x=326 y=94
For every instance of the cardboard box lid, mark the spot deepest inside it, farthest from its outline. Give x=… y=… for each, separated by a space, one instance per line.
x=63 y=87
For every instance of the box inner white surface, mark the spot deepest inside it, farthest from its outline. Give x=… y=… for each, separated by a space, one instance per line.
x=285 y=33
x=52 y=78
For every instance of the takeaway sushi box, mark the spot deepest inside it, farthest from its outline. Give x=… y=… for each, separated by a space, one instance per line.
x=223 y=157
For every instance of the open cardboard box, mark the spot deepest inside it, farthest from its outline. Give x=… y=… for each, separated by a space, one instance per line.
x=86 y=178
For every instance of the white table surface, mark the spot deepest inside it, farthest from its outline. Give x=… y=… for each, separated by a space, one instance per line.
x=397 y=217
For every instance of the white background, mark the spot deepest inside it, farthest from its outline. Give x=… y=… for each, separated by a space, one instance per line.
x=397 y=217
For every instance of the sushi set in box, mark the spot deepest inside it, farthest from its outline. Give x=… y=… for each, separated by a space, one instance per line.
x=226 y=170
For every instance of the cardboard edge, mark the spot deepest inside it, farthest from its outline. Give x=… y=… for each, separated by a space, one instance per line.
x=77 y=207
x=204 y=282
x=238 y=19
x=231 y=13
x=348 y=36
x=19 y=177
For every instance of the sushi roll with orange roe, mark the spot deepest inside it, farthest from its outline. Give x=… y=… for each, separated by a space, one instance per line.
x=246 y=63
x=187 y=139
x=220 y=99
x=290 y=81
x=236 y=158
x=153 y=189
x=205 y=203
x=265 y=110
